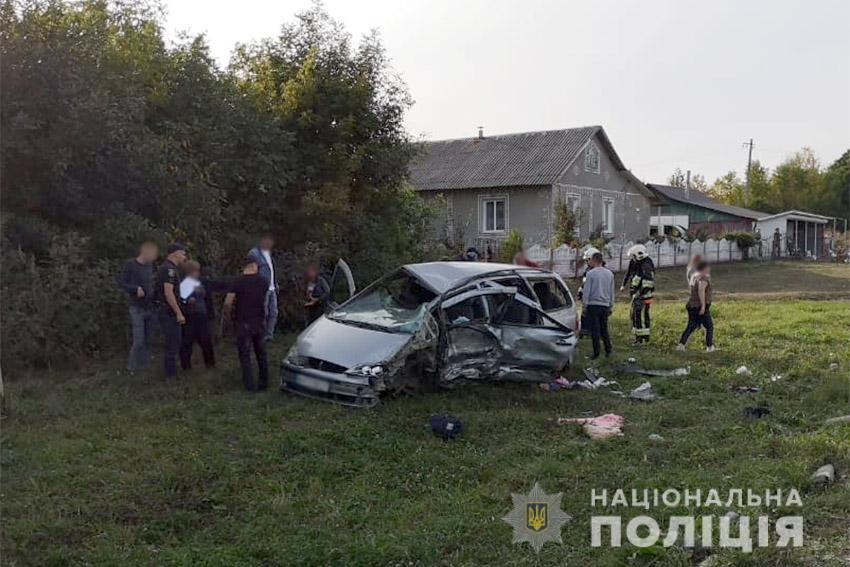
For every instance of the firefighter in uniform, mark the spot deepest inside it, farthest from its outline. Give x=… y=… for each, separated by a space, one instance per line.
x=640 y=277
x=586 y=256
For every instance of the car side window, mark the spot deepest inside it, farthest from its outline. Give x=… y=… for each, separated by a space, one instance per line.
x=516 y=313
x=551 y=294
x=471 y=310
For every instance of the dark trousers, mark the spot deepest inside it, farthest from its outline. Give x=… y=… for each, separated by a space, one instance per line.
x=197 y=330
x=596 y=318
x=695 y=320
x=171 y=333
x=252 y=336
x=640 y=319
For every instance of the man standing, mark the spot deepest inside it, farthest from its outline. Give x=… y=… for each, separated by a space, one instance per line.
x=248 y=292
x=640 y=277
x=262 y=255
x=171 y=317
x=137 y=281
x=598 y=301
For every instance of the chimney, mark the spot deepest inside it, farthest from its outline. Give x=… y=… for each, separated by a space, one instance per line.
x=688 y=186
x=481 y=132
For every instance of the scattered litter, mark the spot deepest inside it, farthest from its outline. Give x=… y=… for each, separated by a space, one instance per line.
x=756 y=412
x=644 y=393
x=559 y=383
x=656 y=437
x=651 y=372
x=591 y=375
x=748 y=389
x=776 y=377
x=601 y=427
x=446 y=426
x=833 y=366
x=837 y=420
x=733 y=516
x=632 y=360
x=824 y=475
x=743 y=371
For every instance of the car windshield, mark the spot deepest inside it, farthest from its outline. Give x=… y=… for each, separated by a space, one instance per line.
x=396 y=304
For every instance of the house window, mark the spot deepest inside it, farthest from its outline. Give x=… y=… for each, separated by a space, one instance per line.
x=591 y=158
x=608 y=216
x=495 y=215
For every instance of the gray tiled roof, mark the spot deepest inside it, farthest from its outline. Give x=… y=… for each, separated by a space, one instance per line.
x=700 y=199
x=511 y=160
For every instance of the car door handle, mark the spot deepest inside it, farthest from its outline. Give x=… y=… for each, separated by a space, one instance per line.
x=563 y=342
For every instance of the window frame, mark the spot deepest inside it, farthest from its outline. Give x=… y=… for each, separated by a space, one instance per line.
x=483 y=201
x=592 y=149
x=609 y=216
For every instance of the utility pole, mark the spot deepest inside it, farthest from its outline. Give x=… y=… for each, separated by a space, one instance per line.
x=749 y=168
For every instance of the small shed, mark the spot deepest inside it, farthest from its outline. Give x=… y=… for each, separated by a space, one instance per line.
x=794 y=233
x=694 y=210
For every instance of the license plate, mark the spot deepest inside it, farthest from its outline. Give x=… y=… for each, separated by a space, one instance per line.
x=313 y=383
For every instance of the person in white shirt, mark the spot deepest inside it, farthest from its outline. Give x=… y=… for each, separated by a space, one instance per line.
x=262 y=254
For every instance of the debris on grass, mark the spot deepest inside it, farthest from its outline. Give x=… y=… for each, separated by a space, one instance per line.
x=644 y=393
x=776 y=377
x=824 y=475
x=628 y=368
x=446 y=426
x=748 y=389
x=600 y=427
x=756 y=412
x=833 y=366
x=632 y=360
x=656 y=437
x=743 y=371
x=837 y=420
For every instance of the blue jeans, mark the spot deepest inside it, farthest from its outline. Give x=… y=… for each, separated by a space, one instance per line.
x=141 y=322
x=271 y=314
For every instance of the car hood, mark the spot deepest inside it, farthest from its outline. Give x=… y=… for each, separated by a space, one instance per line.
x=347 y=345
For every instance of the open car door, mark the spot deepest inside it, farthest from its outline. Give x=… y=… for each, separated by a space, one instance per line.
x=342 y=285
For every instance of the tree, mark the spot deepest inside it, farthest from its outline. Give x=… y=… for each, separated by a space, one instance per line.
x=834 y=199
x=728 y=189
x=680 y=179
x=796 y=182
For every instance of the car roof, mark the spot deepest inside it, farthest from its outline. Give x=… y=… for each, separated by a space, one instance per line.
x=443 y=276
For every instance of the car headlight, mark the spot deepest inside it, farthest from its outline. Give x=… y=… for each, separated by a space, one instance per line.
x=366 y=370
x=292 y=356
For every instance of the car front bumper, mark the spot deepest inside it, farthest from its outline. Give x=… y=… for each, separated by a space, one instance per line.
x=343 y=389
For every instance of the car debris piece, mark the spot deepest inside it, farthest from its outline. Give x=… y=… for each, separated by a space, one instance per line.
x=743 y=371
x=775 y=377
x=644 y=393
x=833 y=366
x=824 y=475
x=655 y=437
x=632 y=360
x=837 y=420
x=756 y=412
x=628 y=368
x=600 y=427
x=446 y=426
x=748 y=389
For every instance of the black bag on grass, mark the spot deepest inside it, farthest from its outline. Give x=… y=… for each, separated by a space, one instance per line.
x=446 y=426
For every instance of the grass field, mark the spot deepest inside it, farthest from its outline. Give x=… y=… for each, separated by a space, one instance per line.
x=100 y=467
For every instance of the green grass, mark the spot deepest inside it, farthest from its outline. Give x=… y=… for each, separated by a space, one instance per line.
x=99 y=467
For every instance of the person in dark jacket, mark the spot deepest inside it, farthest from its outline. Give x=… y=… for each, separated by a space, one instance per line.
x=247 y=301
x=317 y=292
x=136 y=281
x=196 y=299
x=263 y=255
x=640 y=277
x=167 y=304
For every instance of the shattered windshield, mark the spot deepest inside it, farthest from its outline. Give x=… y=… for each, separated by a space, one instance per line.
x=396 y=304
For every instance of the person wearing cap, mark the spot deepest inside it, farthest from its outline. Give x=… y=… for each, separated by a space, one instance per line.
x=171 y=317
x=246 y=300
x=262 y=255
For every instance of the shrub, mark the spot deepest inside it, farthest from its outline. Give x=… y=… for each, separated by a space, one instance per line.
x=511 y=246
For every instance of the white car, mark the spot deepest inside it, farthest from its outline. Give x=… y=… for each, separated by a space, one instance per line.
x=433 y=325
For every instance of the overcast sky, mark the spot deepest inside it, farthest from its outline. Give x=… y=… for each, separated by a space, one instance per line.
x=675 y=83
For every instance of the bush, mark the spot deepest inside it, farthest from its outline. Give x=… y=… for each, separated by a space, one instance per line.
x=512 y=245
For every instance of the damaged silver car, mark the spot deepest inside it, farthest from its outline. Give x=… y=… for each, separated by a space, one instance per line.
x=432 y=325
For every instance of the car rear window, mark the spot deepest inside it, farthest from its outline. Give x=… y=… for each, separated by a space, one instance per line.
x=551 y=294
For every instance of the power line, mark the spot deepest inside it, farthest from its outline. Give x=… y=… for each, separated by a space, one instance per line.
x=749 y=167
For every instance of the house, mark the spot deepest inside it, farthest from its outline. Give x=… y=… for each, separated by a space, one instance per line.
x=800 y=233
x=694 y=210
x=493 y=184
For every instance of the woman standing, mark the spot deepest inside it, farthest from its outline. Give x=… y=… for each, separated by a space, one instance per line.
x=699 y=307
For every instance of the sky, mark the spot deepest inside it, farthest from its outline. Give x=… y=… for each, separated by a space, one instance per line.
x=675 y=83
